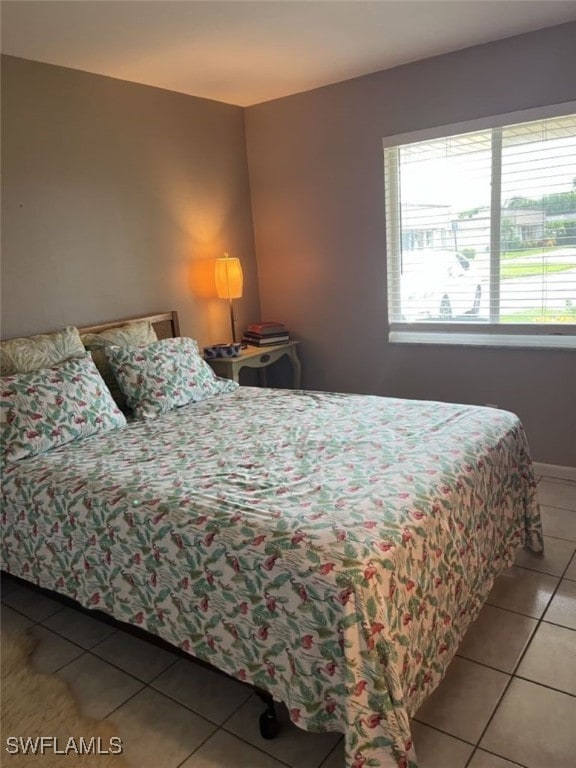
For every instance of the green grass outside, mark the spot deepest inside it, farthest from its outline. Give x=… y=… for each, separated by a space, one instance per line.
x=556 y=316
x=542 y=251
x=509 y=271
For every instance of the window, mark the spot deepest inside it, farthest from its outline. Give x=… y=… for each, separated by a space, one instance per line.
x=481 y=232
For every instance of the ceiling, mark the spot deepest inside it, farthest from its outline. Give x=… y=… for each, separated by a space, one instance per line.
x=247 y=52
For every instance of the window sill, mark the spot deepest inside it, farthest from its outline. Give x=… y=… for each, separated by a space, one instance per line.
x=521 y=341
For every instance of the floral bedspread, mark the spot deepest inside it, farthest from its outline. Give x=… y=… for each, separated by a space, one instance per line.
x=331 y=549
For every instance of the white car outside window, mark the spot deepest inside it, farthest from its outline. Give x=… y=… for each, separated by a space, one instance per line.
x=439 y=285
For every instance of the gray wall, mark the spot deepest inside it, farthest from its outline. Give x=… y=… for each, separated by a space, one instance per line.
x=116 y=198
x=316 y=179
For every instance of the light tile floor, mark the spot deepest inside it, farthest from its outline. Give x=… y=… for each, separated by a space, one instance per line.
x=508 y=699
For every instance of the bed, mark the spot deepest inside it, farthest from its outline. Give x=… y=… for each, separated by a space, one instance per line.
x=331 y=549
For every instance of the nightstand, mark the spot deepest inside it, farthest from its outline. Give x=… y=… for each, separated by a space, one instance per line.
x=260 y=358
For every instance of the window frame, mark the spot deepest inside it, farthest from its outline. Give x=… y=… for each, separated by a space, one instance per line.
x=492 y=333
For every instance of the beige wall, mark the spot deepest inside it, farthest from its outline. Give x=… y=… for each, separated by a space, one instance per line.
x=116 y=198
x=318 y=204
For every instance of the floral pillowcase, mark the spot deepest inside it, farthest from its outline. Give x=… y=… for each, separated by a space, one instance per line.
x=135 y=334
x=50 y=407
x=164 y=375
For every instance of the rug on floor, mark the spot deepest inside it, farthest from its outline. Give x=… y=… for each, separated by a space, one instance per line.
x=38 y=705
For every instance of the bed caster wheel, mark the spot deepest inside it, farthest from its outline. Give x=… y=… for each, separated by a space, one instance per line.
x=269 y=726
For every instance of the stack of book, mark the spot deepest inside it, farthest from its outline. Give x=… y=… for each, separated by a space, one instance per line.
x=263 y=334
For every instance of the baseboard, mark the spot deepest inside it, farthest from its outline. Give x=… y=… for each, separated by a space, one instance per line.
x=555 y=471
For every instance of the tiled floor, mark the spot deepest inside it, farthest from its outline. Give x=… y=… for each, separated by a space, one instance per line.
x=508 y=699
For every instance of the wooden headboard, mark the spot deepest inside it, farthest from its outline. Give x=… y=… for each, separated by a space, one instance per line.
x=165 y=324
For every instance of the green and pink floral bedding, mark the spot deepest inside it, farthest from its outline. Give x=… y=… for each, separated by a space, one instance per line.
x=332 y=549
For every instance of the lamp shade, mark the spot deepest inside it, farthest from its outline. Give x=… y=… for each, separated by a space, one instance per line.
x=228 y=277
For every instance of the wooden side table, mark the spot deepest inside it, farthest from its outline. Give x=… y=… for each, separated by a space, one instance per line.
x=260 y=358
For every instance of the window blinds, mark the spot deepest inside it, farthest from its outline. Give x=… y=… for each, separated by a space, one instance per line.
x=481 y=230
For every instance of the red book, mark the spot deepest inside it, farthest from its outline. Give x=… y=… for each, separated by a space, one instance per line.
x=270 y=328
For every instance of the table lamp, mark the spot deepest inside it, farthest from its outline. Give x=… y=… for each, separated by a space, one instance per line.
x=229 y=280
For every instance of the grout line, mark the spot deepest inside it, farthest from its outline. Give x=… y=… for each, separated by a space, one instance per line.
x=523 y=568
x=559 y=538
x=189 y=708
x=513 y=674
x=541 y=619
x=547 y=573
x=489 y=666
x=100 y=658
x=496 y=707
x=152 y=679
x=268 y=754
x=332 y=751
x=522 y=655
x=103 y=640
x=58 y=637
x=250 y=744
x=205 y=741
x=69 y=640
x=34 y=622
x=61 y=637
x=88 y=652
x=120 y=669
x=544 y=573
x=518 y=613
x=555 y=623
x=216 y=728
x=129 y=698
x=445 y=733
x=238 y=708
x=561 y=479
x=476 y=749
x=553 y=506
x=545 y=685
x=552 y=595
x=26 y=616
